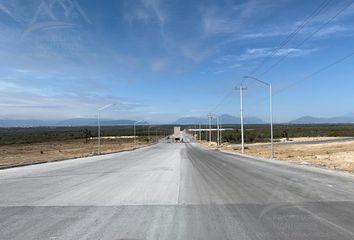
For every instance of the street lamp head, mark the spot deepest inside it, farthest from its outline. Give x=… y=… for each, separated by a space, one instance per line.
x=106 y=106
x=141 y=121
x=258 y=80
x=136 y=122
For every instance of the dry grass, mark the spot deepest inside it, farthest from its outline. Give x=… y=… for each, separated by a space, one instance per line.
x=51 y=151
x=337 y=155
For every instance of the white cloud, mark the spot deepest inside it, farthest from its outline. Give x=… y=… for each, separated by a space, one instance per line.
x=34 y=106
x=330 y=31
x=226 y=63
x=195 y=51
x=233 y=18
x=155 y=5
x=267 y=34
x=255 y=53
x=5 y=10
x=159 y=64
x=226 y=59
x=335 y=30
x=21 y=101
x=341 y=26
x=7 y=86
x=217 y=25
x=145 y=11
x=235 y=65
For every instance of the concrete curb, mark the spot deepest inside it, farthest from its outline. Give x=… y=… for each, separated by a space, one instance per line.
x=284 y=162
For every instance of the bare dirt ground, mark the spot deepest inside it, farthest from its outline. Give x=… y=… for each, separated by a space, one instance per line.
x=51 y=151
x=335 y=155
x=308 y=139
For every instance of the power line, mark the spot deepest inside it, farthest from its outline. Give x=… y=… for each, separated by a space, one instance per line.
x=226 y=103
x=222 y=100
x=314 y=14
x=315 y=72
x=288 y=39
x=307 y=38
x=226 y=97
x=309 y=76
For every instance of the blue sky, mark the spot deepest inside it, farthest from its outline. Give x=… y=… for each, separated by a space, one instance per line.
x=159 y=60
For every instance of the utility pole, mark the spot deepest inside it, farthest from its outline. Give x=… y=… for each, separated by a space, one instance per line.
x=218 y=129
x=271 y=119
x=210 y=117
x=241 y=88
x=99 y=132
x=149 y=133
x=200 y=132
x=135 y=132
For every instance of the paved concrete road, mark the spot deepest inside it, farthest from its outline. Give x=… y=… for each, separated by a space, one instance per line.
x=175 y=191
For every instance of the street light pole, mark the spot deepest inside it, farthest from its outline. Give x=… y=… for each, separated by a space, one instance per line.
x=241 y=88
x=149 y=132
x=218 y=130
x=217 y=127
x=271 y=119
x=99 y=125
x=270 y=110
x=99 y=132
x=209 y=116
x=200 y=132
x=135 y=132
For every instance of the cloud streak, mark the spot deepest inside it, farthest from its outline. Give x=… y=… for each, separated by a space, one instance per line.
x=145 y=11
x=18 y=105
x=256 y=53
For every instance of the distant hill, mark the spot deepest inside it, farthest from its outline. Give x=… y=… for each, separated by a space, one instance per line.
x=317 y=120
x=190 y=120
x=225 y=119
x=308 y=119
x=228 y=119
x=93 y=122
x=24 y=123
x=64 y=123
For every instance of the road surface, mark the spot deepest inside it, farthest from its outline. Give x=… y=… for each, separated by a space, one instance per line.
x=175 y=191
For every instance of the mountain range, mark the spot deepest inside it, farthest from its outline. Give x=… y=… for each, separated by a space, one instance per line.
x=349 y=118
x=93 y=122
x=225 y=119
x=74 y=122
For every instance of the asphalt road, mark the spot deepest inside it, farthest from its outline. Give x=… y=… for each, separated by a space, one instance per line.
x=175 y=191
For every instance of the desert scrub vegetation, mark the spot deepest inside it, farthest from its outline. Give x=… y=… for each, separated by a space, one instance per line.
x=9 y=136
x=261 y=133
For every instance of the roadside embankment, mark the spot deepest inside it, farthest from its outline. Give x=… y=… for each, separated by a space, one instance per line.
x=22 y=154
x=334 y=153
